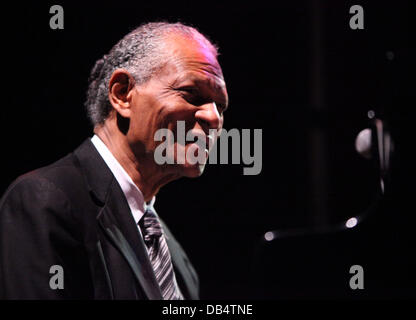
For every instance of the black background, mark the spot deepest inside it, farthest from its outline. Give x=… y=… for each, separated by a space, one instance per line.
x=294 y=69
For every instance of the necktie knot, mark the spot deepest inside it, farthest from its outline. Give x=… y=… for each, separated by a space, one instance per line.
x=151 y=226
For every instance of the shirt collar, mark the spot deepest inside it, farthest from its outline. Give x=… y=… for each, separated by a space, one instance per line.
x=133 y=194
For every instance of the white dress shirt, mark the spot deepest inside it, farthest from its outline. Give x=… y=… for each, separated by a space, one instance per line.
x=133 y=194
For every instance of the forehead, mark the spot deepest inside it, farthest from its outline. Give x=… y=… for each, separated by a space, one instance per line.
x=194 y=59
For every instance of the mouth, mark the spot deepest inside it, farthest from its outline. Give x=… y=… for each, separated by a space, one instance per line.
x=201 y=143
x=200 y=136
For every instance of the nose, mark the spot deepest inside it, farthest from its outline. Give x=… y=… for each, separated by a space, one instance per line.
x=208 y=116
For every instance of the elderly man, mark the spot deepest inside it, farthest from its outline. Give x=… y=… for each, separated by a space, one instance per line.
x=85 y=227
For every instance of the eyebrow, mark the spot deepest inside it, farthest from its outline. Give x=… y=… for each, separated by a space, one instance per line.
x=192 y=76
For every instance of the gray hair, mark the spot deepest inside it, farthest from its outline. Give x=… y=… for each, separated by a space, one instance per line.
x=141 y=52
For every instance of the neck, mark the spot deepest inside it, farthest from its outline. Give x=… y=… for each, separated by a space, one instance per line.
x=148 y=176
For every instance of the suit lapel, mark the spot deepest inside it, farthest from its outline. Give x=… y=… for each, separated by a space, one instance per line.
x=115 y=217
x=183 y=267
x=118 y=223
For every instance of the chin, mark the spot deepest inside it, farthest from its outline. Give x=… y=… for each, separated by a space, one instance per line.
x=193 y=171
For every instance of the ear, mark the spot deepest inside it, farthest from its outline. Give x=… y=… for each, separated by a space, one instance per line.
x=120 y=89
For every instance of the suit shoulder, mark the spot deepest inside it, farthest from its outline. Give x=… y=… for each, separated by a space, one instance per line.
x=47 y=182
x=62 y=172
x=39 y=199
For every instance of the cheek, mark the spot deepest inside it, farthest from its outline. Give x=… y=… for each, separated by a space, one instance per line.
x=174 y=112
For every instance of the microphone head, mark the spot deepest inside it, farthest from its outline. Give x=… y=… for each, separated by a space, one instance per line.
x=363 y=143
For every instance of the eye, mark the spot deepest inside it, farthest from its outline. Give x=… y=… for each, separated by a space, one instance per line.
x=192 y=95
x=190 y=90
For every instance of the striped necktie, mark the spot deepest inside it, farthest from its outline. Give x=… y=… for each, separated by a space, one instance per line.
x=159 y=255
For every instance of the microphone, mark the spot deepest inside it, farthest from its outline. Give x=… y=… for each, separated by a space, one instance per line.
x=373 y=143
x=376 y=142
x=363 y=143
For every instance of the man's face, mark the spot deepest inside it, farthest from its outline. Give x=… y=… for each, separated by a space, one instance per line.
x=189 y=88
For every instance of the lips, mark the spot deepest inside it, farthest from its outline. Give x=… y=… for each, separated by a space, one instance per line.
x=201 y=136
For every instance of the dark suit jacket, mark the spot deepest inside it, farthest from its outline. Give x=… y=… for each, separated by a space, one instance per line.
x=74 y=214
